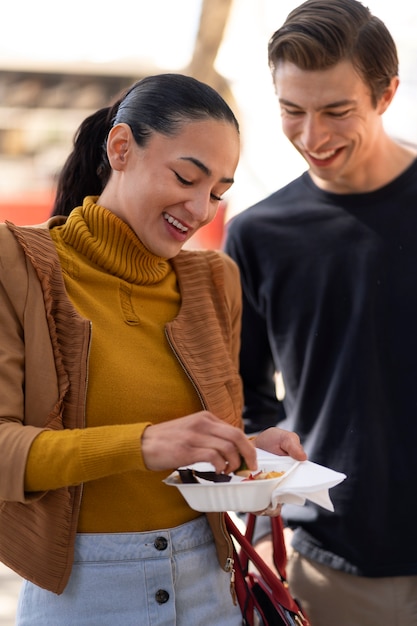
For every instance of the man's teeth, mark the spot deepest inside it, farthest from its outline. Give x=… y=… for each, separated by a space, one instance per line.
x=175 y=223
x=323 y=155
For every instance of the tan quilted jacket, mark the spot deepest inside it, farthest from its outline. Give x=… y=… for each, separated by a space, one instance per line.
x=44 y=344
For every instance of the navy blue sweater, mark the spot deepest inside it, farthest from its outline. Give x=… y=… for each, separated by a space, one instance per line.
x=330 y=300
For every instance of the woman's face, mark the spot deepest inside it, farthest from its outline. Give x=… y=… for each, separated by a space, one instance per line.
x=170 y=188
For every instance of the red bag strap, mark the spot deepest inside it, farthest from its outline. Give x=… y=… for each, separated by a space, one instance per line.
x=279 y=549
x=247 y=552
x=278 y=541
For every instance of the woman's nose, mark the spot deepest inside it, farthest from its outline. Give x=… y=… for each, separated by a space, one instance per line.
x=200 y=207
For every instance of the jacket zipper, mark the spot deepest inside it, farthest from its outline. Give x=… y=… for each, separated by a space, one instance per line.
x=177 y=356
x=85 y=399
x=229 y=564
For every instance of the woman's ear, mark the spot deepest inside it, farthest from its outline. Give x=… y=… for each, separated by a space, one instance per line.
x=118 y=144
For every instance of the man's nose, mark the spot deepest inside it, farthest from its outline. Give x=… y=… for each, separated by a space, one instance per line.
x=314 y=133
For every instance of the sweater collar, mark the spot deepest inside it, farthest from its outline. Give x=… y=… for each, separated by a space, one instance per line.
x=108 y=242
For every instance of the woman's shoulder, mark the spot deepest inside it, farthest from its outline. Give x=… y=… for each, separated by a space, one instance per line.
x=23 y=249
x=215 y=261
x=211 y=272
x=11 y=233
x=10 y=250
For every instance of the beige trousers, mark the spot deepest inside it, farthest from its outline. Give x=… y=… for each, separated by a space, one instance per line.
x=333 y=598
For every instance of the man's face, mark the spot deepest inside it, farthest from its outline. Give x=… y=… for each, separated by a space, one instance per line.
x=329 y=118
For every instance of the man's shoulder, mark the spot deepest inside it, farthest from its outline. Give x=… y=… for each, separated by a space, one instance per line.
x=275 y=205
x=283 y=196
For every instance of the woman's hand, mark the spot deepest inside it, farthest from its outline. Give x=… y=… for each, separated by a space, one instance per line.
x=281 y=442
x=271 y=511
x=198 y=437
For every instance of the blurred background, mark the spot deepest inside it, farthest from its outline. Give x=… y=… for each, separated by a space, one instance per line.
x=58 y=63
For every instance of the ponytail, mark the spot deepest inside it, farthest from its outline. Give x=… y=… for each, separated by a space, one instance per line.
x=87 y=170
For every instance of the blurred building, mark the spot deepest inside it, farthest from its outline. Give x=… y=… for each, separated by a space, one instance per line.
x=224 y=42
x=40 y=110
x=42 y=103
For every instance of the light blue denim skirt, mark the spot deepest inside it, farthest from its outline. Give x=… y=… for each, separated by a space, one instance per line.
x=160 y=578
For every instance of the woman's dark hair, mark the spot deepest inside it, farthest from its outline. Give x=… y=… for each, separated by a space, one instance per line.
x=162 y=103
x=320 y=33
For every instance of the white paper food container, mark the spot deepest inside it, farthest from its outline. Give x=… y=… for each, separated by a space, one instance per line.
x=248 y=496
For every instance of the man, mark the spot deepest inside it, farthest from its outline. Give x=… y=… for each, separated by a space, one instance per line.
x=329 y=277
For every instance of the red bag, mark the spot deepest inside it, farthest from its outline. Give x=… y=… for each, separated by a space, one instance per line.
x=263 y=595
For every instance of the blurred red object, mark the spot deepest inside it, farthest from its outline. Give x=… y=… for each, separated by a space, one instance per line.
x=30 y=207
x=35 y=207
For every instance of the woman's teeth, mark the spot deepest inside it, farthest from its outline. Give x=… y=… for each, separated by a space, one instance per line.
x=175 y=223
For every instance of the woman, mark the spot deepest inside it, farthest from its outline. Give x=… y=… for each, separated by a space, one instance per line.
x=118 y=363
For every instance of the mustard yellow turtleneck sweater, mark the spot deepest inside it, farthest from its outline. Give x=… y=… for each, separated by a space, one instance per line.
x=134 y=378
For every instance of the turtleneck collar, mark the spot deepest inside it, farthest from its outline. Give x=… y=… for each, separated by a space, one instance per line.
x=107 y=241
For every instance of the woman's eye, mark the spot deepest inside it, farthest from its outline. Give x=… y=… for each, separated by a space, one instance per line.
x=188 y=183
x=182 y=180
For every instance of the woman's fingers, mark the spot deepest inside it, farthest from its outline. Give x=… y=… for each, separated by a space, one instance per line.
x=281 y=442
x=271 y=511
x=204 y=437
x=197 y=437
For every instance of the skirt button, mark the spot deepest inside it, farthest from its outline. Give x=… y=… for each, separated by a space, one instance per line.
x=161 y=596
x=160 y=543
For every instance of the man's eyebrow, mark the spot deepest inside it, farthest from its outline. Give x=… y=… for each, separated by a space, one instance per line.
x=329 y=105
x=204 y=168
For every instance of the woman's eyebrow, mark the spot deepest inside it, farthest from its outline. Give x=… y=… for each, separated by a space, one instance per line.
x=204 y=168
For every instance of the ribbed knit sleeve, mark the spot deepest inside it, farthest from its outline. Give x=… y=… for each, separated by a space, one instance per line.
x=70 y=457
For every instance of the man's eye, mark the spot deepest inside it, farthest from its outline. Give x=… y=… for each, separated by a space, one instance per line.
x=292 y=112
x=339 y=113
x=216 y=198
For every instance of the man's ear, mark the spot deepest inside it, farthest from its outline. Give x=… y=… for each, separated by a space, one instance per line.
x=388 y=95
x=118 y=144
